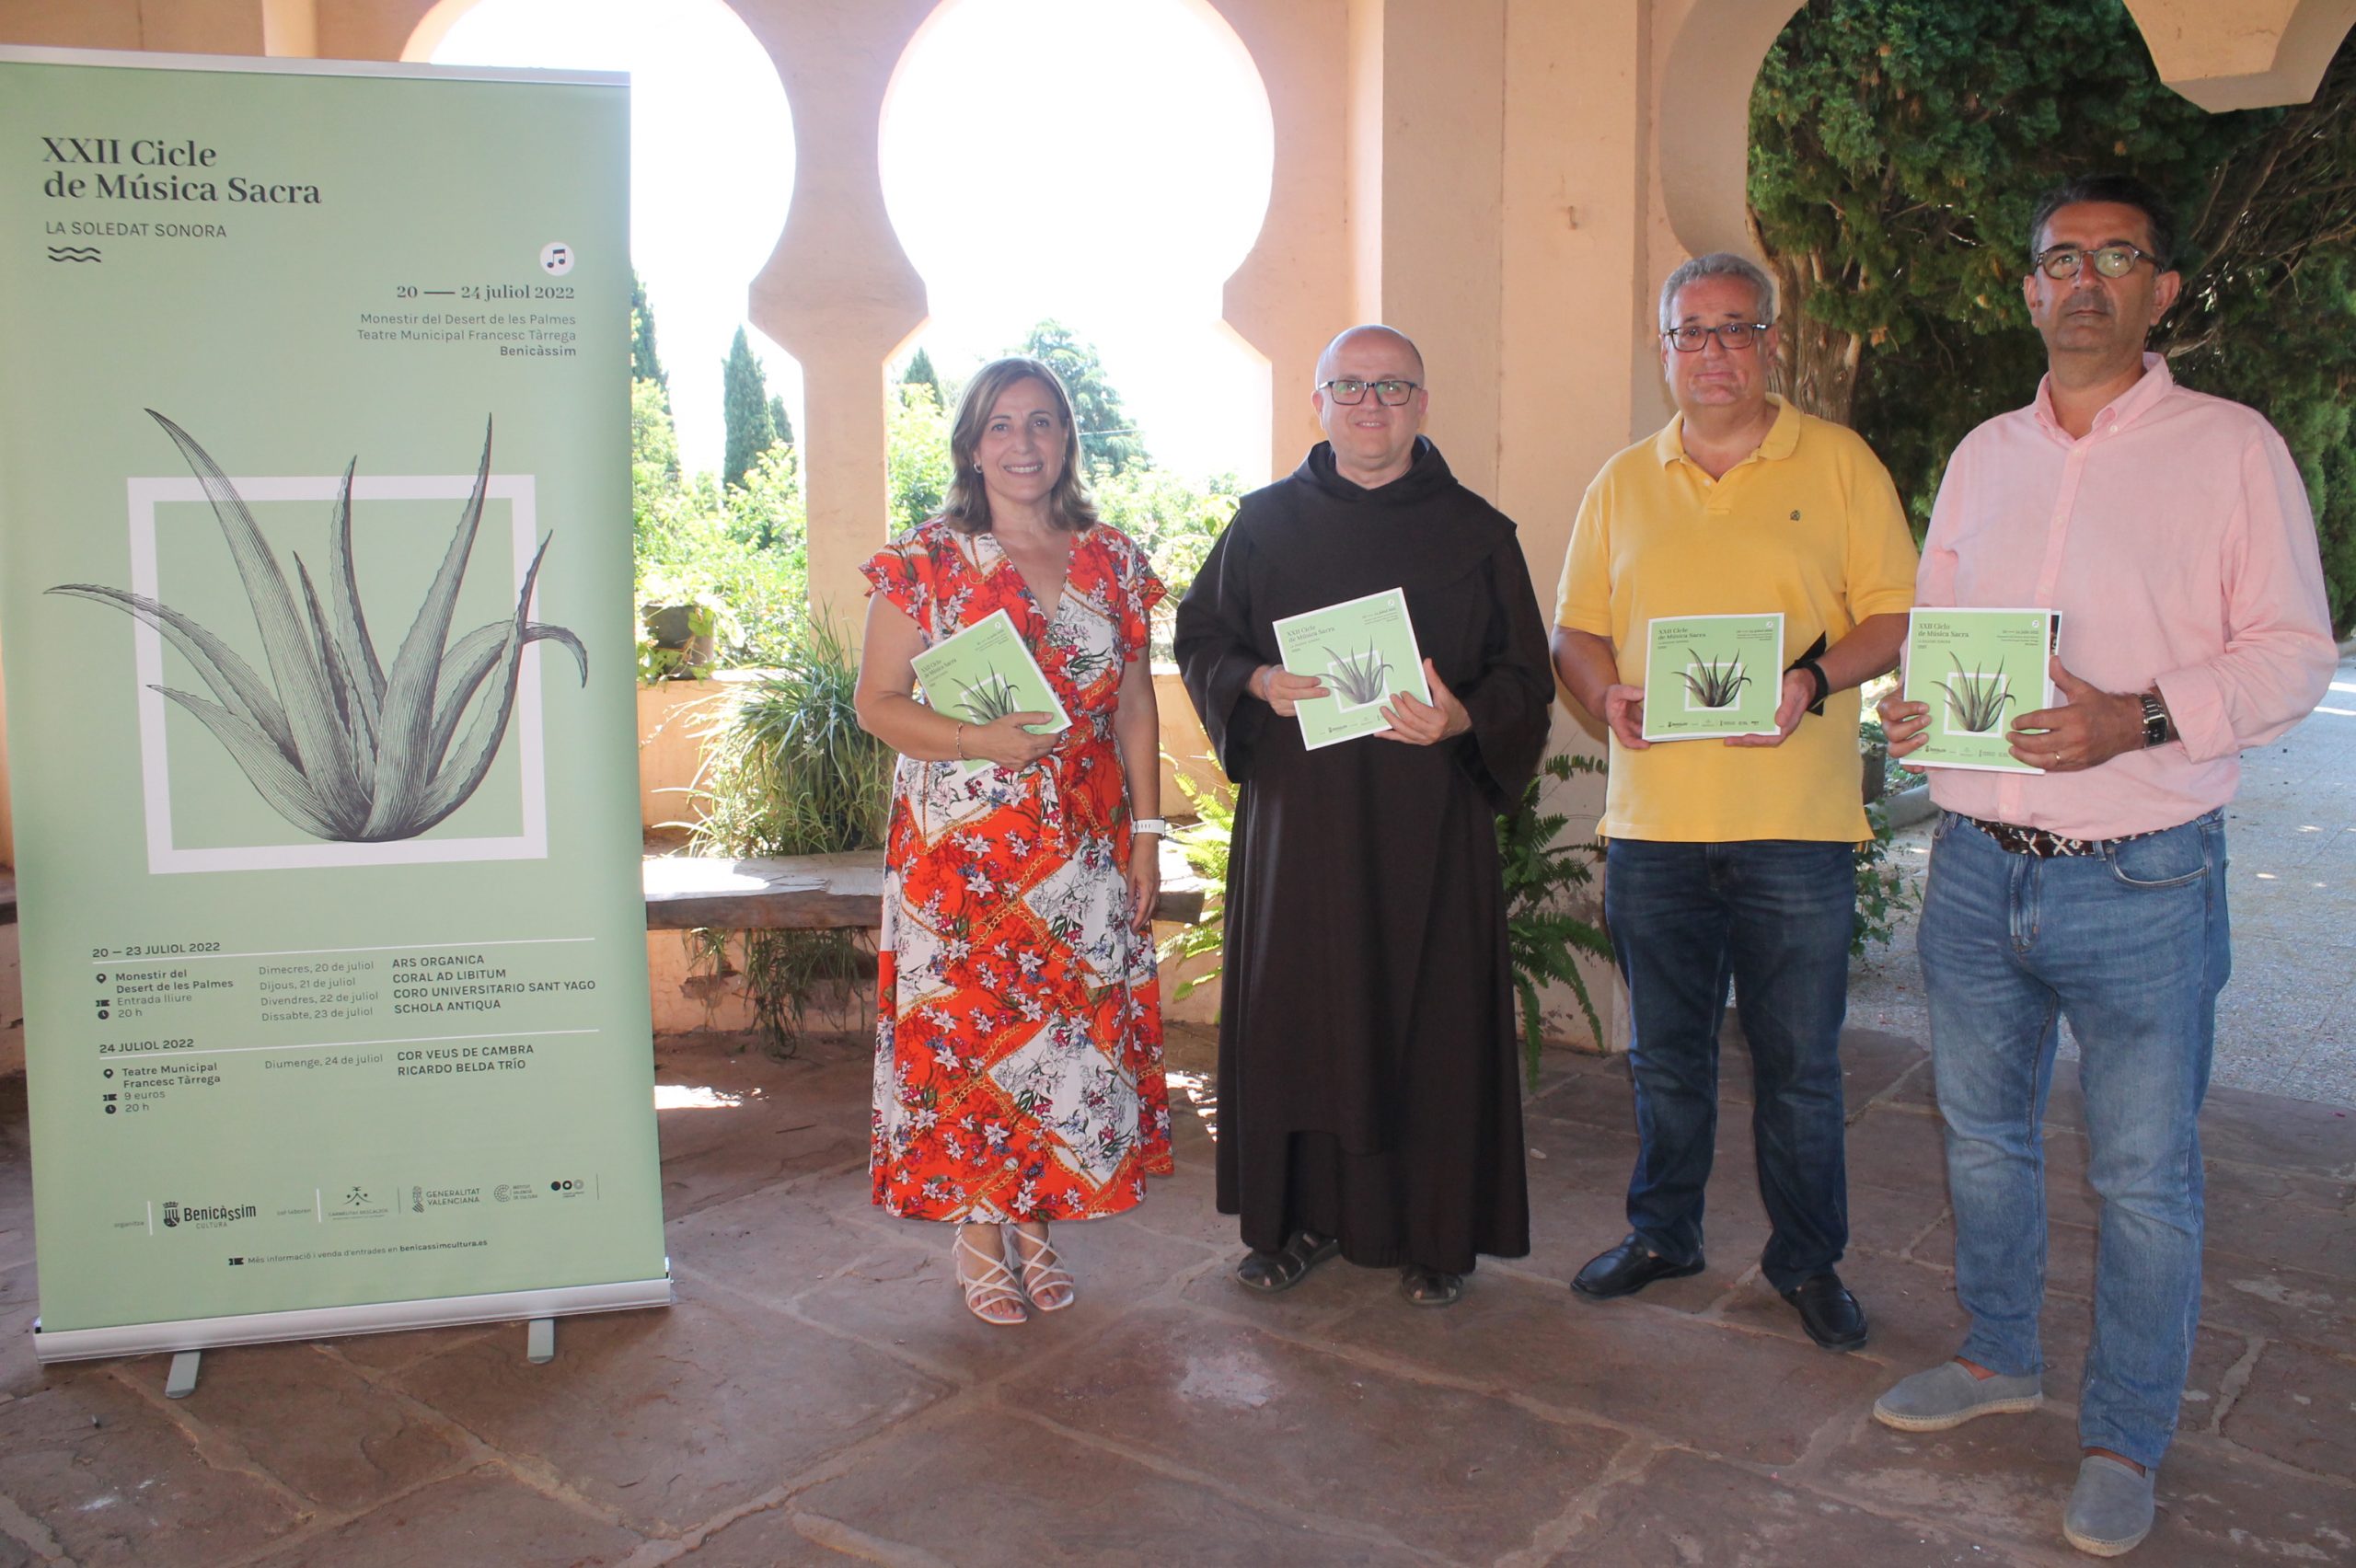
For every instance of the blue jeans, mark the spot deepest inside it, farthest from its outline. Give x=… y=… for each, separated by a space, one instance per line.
x=2131 y=947
x=1772 y=915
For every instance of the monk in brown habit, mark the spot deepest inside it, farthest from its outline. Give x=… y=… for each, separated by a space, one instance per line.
x=1369 y=1094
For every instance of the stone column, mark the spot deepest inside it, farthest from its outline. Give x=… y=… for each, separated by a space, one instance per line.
x=839 y=294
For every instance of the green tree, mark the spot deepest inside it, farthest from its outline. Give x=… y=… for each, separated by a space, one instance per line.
x=1898 y=149
x=744 y=409
x=915 y=453
x=1109 y=443
x=780 y=424
x=1175 y=521
x=921 y=373
x=644 y=363
x=653 y=447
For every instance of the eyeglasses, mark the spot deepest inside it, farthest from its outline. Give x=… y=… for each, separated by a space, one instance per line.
x=2061 y=262
x=1733 y=336
x=1349 y=391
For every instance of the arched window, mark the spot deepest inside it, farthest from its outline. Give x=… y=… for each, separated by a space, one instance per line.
x=1105 y=166
x=712 y=167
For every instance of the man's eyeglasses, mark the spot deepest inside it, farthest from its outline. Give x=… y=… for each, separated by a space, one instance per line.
x=1732 y=336
x=2061 y=262
x=1349 y=392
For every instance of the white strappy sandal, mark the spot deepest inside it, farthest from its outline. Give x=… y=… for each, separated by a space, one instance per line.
x=990 y=1294
x=1045 y=1279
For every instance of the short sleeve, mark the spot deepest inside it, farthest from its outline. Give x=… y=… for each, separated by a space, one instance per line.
x=902 y=572
x=1583 y=598
x=1135 y=592
x=1881 y=565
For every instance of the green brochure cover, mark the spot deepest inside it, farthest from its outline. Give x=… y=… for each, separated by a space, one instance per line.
x=1364 y=650
x=986 y=672
x=1979 y=670
x=1708 y=676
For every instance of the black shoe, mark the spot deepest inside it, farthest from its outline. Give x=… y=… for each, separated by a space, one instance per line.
x=1828 y=1313
x=1627 y=1269
x=1269 y=1272
x=1431 y=1287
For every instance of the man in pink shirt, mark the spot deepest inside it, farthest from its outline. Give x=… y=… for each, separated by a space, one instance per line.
x=2171 y=530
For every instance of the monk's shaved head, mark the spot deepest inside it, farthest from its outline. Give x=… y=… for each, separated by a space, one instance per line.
x=1356 y=334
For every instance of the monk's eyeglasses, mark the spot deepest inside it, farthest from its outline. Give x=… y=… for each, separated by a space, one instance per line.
x=1732 y=336
x=1349 y=391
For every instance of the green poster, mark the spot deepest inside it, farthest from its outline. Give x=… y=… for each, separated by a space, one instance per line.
x=315 y=604
x=1979 y=670
x=1708 y=676
x=1364 y=653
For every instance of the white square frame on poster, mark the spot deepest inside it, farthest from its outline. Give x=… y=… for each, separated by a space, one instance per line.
x=163 y=857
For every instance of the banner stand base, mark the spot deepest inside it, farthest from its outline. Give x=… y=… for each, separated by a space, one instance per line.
x=327 y=1322
x=539 y=1341
x=180 y=1381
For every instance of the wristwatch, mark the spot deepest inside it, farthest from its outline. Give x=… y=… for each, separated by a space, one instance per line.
x=2158 y=730
x=1150 y=824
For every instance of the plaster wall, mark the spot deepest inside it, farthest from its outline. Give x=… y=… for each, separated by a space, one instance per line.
x=1442 y=125
x=1300 y=284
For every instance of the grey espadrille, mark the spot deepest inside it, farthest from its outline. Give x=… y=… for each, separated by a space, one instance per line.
x=2111 y=1508
x=1949 y=1395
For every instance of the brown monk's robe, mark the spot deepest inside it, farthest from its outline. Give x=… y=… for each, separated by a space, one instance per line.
x=1369 y=1086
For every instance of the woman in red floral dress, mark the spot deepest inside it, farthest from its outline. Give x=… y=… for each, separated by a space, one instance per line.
x=1018 y=1063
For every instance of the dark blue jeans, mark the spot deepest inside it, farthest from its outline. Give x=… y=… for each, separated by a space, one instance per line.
x=1772 y=916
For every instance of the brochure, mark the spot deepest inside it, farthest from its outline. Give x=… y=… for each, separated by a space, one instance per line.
x=986 y=672
x=1364 y=650
x=1979 y=670
x=1709 y=677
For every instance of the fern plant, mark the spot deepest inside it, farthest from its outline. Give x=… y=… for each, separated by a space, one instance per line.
x=1205 y=843
x=1545 y=929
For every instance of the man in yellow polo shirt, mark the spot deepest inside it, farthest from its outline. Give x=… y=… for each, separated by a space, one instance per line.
x=1731 y=860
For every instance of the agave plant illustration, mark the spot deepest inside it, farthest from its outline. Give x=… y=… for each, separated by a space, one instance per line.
x=336 y=744
x=1978 y=700
x=991 y=697
x=1712 y=686
x=1363 y=677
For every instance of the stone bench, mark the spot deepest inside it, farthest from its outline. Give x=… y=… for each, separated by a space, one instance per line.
x=821 y=891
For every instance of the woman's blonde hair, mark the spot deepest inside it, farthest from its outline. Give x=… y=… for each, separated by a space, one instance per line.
x=967 y=506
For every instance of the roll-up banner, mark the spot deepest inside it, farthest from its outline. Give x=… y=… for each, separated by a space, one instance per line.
x=314 y=610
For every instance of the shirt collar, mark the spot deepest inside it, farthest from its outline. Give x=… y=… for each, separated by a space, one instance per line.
x=1782 y=437
x=2128 y=406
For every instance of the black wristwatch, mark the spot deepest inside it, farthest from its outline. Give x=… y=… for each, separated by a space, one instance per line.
x=1808 y=661
x=2158 y=730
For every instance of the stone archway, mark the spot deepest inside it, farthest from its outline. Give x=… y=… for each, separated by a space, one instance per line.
x=2248 y=55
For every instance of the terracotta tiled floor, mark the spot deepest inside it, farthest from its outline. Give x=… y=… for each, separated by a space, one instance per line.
x=816 y=1396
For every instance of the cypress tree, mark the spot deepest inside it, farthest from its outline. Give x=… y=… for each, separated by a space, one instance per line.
x=745 y=406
